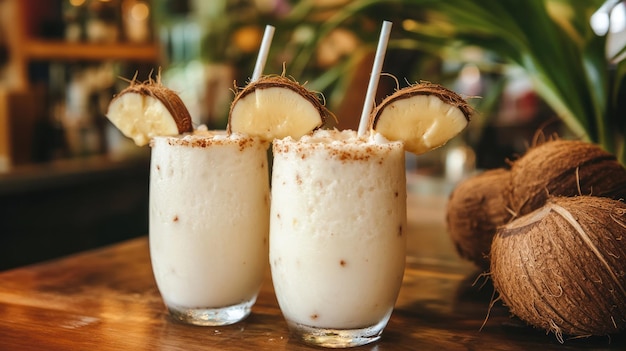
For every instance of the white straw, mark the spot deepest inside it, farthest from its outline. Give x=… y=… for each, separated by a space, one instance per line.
x=263 y=52
x=375 y=76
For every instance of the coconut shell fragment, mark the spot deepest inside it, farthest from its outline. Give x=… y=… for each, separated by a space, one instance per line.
x=424 y=116
x=475 y=209
x=274 y=107
x=144 y=110
x=562 y=268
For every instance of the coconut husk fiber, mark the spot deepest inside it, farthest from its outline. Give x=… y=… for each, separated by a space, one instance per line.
x=475 y=208
x=562 y=268
x=564 y=168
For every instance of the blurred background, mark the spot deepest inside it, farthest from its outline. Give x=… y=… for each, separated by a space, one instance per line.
x=70 y=181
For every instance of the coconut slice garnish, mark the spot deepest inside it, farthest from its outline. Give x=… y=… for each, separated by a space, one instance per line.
x=274 y=107
x=145 y=110
x=424 y=116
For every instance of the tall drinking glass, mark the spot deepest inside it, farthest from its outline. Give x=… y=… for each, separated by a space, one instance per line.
x=337 y=235
x=209 y=207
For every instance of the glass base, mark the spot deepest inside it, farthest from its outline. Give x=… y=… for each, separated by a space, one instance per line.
x=212 y=316
x=337 y=338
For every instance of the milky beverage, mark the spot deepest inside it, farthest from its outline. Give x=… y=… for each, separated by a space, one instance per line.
x=209 y=206
x=337 y=235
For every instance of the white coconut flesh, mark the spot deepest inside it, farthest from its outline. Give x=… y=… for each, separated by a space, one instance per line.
x=423 y=122
x=274 y=112
x=141 y=117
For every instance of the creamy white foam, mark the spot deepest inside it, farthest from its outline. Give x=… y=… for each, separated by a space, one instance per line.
x=209 y=205
x=337 y=228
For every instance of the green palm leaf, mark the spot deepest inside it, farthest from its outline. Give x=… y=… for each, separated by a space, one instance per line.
x=563 y=57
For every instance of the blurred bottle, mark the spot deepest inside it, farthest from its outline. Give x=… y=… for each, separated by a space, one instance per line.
x=103 y=21
x=74 y=15
x=136 y=17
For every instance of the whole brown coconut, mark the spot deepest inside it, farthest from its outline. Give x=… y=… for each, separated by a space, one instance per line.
x=564 y=168
x=562 y=268
x=475 y=208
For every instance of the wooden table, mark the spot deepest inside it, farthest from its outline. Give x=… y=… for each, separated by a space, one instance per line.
x=107 y=300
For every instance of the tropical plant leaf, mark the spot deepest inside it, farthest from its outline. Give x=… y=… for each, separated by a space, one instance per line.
x=551 y=40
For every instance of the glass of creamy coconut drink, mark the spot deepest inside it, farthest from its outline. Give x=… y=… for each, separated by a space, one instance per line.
x=209 y=207
x=337 y=235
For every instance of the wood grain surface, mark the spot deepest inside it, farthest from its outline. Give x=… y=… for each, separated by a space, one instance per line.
x=107 y=299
